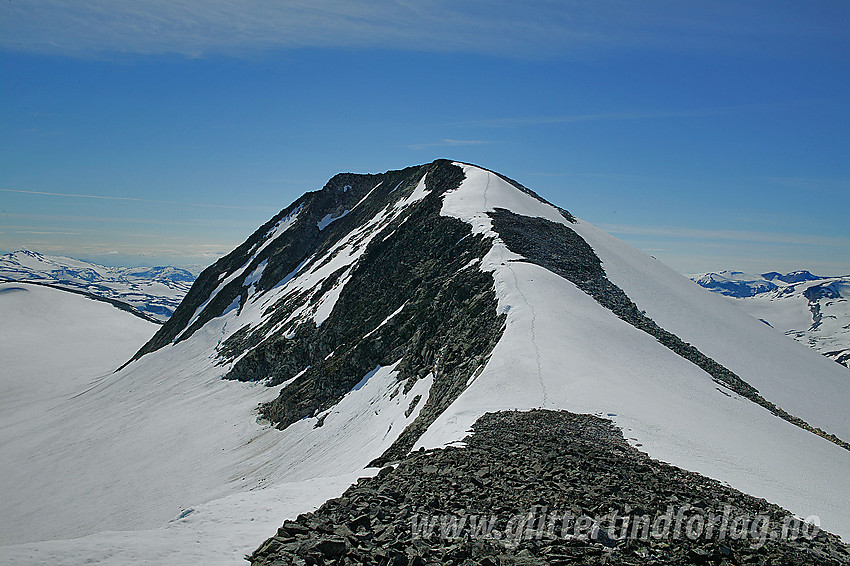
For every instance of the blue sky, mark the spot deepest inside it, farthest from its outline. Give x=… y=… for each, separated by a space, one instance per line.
x=711 y=135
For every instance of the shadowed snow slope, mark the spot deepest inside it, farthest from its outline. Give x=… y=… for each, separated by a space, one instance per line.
x=53 y=345
x=396 y=326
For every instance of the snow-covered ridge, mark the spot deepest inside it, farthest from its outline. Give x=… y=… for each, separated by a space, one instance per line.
x=574 y=354
x=155 y=291
x=812 y=309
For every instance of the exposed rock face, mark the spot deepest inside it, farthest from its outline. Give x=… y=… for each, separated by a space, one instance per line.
x=220 y=284
x=823 y=291
x=420 y=297
x=545 y=487
x=415 y=298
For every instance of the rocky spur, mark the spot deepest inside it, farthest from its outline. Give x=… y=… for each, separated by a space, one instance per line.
x=546 y=487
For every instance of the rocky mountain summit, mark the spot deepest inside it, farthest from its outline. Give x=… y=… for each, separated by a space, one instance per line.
x=389 y=281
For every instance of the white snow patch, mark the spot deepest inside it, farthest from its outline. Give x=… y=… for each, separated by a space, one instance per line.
x=255 y=275
x=329 y=299
x=386 y=320
x=273 y=233
x=213 y=295
x=279 y=228
x=367 y=196
x=328 y=218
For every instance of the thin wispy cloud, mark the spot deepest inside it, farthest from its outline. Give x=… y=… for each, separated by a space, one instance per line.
x=812 y=184
x=180 y=252
x=196 y=28
x=50 y=221
x=501 y=122
x=728 y=235
x=449 y=143
x=52 y=232
x=573 y=118
x=133 y=199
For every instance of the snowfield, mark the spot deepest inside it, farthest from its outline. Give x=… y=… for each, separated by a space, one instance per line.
x=795 y=377
x=102 y=467
x=164 y=462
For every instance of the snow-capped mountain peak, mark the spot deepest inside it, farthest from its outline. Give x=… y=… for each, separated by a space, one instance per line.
x=386 y=313
x=792 y=277
x=452 y=282
x=737 y=283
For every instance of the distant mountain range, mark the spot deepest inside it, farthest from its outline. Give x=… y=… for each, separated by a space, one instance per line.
x=153 y=292
x=813 y=309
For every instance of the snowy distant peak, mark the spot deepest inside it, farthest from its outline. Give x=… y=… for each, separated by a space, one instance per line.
x=154 y=291
x=735 y=283
x=792 y=277
x=740 y=284
x=814 y=310
x=39 y=266
x=160 y=273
